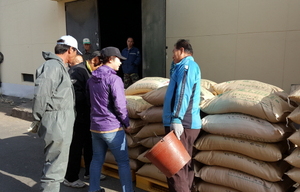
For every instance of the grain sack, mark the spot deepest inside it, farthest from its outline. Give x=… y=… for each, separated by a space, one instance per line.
x=265 y=170
x=295 y=138
x=258 y=150
x=136 y=125
x=246 y=127
x=294 y=115
x=203 y=186
x=131 y=140
x=150 y=170
x=241 y=181
x=294 y=158
x=146 y=84
x=205 y=94
x=294 y=174
x=136 y=104
x=245 y=84
x=151 y=130
x=257 y=103
x=298 y=189
x=295 y=95
x=142 y=157
x=208 y=84
x=134 y=152
x=133 y=163
x=156 y=97
x=149 y=142
x=152 y=115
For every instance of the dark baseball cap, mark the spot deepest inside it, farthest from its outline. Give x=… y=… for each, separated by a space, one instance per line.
x=94 y=54
x=112 y=51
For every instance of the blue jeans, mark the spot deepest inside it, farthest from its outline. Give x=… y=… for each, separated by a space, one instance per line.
x=116 y=142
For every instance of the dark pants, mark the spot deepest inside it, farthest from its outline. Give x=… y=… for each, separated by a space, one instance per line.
x=81 y=145
x=130 y=79
x=182 y=181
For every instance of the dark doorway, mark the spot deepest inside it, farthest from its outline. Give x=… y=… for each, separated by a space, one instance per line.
x=118 y=20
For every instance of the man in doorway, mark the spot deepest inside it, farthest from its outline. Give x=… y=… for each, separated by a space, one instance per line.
x=53 y=109
x=130 y=66
x=181 y=112
x=87 y=48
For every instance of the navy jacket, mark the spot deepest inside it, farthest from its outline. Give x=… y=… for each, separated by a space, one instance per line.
x=130 y=65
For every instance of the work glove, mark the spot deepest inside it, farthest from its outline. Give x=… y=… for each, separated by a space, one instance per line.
x=178 y=129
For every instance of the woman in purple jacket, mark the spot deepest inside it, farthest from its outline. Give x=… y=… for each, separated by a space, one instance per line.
x=109 y=119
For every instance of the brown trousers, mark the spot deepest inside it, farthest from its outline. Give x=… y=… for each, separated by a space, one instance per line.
x=182 y=181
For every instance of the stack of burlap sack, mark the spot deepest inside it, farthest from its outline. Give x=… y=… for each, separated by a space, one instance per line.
x=244 y=138
x=146 y=126
x=294 y=157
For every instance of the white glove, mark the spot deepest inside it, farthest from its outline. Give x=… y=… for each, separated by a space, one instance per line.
x=178 y=129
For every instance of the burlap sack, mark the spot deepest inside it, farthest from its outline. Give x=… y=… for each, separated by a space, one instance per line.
x=134 y=152
x=245 y=84
x=265 y=170
x=294 y=174
x=241 y=181
x=152 y=115
x=151 y=130
x=258 y=150
x=136 y=125
x=149 y=142
x=203 y=186
x=208 y=84
x=295 y=138
x=133 y=163
x=257 y=103
x=246 y=127
x=136 y=104
x=131 y=140
x=146 y=84
x=142 y=157
x=294 y=115
x=294 y=158
x=295 y=95
x=150 y=170
x=156 y=97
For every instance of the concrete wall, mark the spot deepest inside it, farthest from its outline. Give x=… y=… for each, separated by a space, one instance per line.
x=239 y=39
x=28 y=27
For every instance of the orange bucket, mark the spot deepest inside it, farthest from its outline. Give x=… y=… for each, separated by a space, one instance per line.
x=168 y=155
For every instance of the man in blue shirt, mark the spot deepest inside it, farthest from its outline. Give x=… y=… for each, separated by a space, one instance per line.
x=131 y=65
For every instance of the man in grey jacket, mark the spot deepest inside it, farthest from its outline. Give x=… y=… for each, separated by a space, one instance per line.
x=53 y=109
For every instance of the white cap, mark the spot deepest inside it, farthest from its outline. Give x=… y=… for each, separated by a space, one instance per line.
x=69 y=40
x=86 y=41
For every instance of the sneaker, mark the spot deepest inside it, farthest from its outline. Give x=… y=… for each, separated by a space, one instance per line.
x=102 y=177
x=75 y=184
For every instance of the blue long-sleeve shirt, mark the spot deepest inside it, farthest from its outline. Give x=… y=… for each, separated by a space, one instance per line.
x=182 y=99
x=130 y=65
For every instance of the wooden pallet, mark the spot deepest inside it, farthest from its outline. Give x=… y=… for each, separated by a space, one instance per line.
x=149 y=184
x=112 y=170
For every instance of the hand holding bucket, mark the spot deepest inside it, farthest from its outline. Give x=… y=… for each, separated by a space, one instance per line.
x=168 y=155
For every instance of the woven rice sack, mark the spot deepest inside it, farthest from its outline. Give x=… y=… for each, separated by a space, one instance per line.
x=294 y=158
x=265 y=170
x=257 y=103
x=295 y=138
x=258 y=150
x=152 y=115
x=146 y=84
x=142 y=157
x=208 y=84
x=294 y=174
x=134 y=152
x=245 y=84
x=156 y=97
x=132 y=141
x=150 y=170
x=294 y=115
x=136 y=104
x=149 y=142
x=133 y=163
x=205 y=94
x=246 y=127
x=295 y=95
x=151 y=130
x=203 y=186
x=136 y=125
x=241 y=181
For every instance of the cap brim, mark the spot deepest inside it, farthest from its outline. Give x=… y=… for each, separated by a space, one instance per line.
x=121 y=57
x=78 y=51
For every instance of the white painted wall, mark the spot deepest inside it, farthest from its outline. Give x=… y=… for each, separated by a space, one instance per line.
x=239 y=39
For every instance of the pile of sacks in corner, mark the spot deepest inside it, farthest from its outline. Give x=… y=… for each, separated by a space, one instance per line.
x=245 y=139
